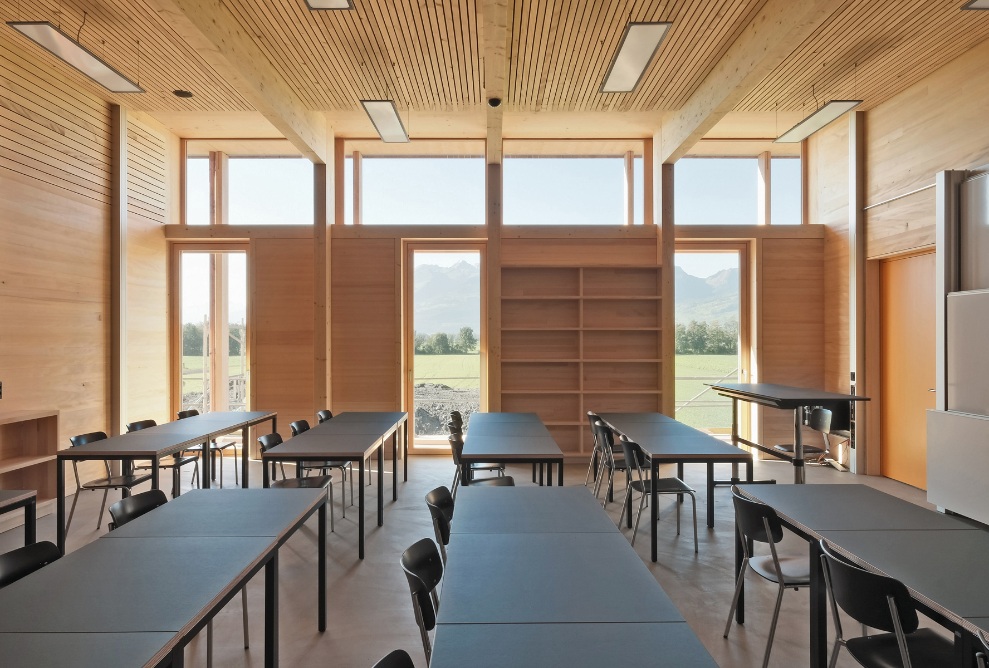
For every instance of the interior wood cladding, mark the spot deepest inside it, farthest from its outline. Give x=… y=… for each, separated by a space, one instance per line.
x=54 y=243
x=148 y=204
x=281 y=329
x=365 y=303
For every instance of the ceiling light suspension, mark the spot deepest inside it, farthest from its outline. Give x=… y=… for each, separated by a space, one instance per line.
x=639 y=44
x=386 y=120
x=69 y=50
x=820 y=118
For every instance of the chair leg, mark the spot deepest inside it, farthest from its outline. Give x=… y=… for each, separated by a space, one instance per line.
x=350 y=467
x=219 y=455
x=693 y=502
x=772 y=627
x=638 y=515
x=236 y=465
x=738 y=592
x=834 y=654
x=625 y=506
x=455 y=484
x=332 y=528
x=99 y=518
x=243 y=605
x=590 y=467
x=72 y=512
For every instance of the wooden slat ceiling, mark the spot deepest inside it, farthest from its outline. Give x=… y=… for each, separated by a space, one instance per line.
x=426 y=54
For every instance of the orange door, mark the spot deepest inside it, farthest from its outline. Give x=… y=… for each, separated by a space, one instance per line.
x=908 y=356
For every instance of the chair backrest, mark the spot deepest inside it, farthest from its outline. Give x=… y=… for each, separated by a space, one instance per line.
x=139 y=425
x=457 y=418
x=299 y=426
x=269 y=441
x=26 y=560
x=982 y=656
x=131 y=507
x=455 y=429
x=865 y=595
x=456 y=447
x=187 y=413
x=440 y=504
x=422 y=563
x=605 y=441
x=396 y=659
x=633 y=454
x=83 y=439
x=749 y=516
x=820 y=420
x=324 y=415
x=592 y=418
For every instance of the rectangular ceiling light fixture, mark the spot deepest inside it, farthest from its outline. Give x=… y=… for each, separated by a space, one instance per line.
x=639 y=44
x=329 y=4
x=50 y=38
x=386 y=121
x=805 y=128
x=977 y=4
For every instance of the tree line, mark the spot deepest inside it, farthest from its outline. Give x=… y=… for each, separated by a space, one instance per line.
x=463 y=342
x=192 y=339
x=707 y=338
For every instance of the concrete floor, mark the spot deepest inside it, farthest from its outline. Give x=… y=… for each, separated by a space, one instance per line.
x=369 y=608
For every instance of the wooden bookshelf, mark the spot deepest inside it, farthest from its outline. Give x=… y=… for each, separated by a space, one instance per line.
x=576 y=339
x=28 y=444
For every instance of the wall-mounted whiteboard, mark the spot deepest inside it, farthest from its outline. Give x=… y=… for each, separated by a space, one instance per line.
x=967 y=344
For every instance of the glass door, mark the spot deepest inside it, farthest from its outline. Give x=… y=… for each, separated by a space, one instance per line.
x=445 y=358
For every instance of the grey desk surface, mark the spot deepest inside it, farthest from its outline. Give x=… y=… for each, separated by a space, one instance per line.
x=483 y=418
x=549 y=578
x=362 y=427
x=944 y=568
x=781 y=396
x=671 y=440
x=571 y=645
x=11 y=497
x=393 y=417
x=133 y=585
x=816 y=508
x=482 y=510
x=213 y=424
x=90 y=650
x=492 y=447
x=508 y=429
x=654 y=418
x=226 y=512
x=318 y=445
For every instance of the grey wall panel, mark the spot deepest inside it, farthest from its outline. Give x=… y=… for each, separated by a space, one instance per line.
x=967 y=351
x=973 y=238
x=957 y=459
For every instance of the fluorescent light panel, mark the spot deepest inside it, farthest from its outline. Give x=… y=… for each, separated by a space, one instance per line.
x=329 y=4
x=805 y=128
x=50 y=38
x=386 y=121
x=639 y=44
x=977 y=4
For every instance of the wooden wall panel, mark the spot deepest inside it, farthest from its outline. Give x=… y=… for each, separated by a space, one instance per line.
x=791 y=323
x=616 y=249
x=365 y=308
x=902 y=226
x=282 y=280
x=54 y=241
x=148 y=196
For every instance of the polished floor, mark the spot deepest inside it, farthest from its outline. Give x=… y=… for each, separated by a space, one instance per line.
x=369 y=608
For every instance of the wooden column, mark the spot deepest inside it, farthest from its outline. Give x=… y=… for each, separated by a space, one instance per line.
x=667 y=246
x=118 y=272
x=857 y=461
x=764 y=203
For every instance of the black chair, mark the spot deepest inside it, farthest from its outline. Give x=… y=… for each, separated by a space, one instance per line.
x=323 y=416
x=456 y=449
x=124 y=482
x=423 y=568
x=819 y=420
x=346 y=466
x=176 y=462
x=595 y=461
x=26 y=560
x=642 y=484
x=609 y=463
x=269 y=441
x=216 y=448
x=982 y=656
x=396 y=659
x=440 y=504
x=757 y=522
x=131 y=507
x=882 y=603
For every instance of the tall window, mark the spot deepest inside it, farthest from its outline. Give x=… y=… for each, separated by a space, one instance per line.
x=716 y=191
x=197 y=196
x=270 y=191
x=785 y=192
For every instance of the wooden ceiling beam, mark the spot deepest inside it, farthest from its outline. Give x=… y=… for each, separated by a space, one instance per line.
x=494 y=51
x=221 y=41
x=779 y=28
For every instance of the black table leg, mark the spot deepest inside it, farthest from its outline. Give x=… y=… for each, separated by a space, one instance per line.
x=271 y=611
x=818 y=610
x=394 y=466
x=381 y=485
x=534 y=473
x=465 y=474
x=405 y=448
x=542 y=471
x=60 y=504
x=739 y=557
x=559 y=473
x=266 y=473
x=653 y=511
x=207 y=470
x=680 y=475
x=549 y=474
x=710 y=495
x=31 y=522
x=360 y=511
x=322 y=566
x=245 y=434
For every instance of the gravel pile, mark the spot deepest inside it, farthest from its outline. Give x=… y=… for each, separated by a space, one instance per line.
x=434 y=401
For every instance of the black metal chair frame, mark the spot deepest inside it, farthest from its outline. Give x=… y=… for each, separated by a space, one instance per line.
x=269 y=441
x=423 y=568
x=177 y=461
x=215 y=448
x=26 y=560
x=441 y=505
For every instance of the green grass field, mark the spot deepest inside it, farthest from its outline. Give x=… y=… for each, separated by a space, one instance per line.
x=462 y=371
x=708 y=410
x=192 y=372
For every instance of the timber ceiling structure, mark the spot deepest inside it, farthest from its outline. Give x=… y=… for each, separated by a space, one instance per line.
x=275 y=68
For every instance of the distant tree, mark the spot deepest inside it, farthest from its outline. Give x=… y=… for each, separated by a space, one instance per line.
x=237 y=338
x=439 y=344
x=192 y=339
x=466 y=341
x=420 y=341
x=706 y=338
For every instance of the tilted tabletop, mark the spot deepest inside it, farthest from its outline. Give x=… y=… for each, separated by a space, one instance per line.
x=782 y=396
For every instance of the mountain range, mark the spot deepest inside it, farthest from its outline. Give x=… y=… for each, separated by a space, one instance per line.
x=711 y=299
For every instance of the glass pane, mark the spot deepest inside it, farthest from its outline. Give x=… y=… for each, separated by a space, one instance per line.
x=447 y=323
x=716 y=191
x=422 y=191
x=564 y=191
x=195 y=309
x=270 y=191
x=235 y=354
x=348 y=191
x=638 y=182
x=707 y=336
x=197 y=191
x=785 y=193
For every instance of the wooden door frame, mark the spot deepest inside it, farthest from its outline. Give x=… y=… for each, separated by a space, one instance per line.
x=409 y=247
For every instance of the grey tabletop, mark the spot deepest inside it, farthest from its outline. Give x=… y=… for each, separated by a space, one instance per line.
x=672 y=440
x=83 y=650
x=317 y=445
x=483 y=418
x=571 y=645
x=944 y=568
x=393 y=417
x=529 y=510
x=816 y=508
x=363 y=427
x=11 y=497
x=214 y=423
x=508 y=429
x=145 y=443
x=549 y=578
x=781 y=396
x=654 y=418
x=130 y=586
x=226 y=512
x=494 y=447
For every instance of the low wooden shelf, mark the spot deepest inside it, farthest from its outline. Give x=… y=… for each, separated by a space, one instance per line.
x=28 y=446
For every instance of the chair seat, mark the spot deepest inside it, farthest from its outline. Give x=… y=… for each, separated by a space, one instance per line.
x=172 y=463
x=486 y=466
x=808 y=449
x=796 y=569
x=663 y=486
x=329 y=463
x=500 y=481
x=116 y=481
x=926 y=648
x=315 y=482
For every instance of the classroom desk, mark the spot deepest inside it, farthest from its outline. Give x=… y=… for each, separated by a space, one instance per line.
x=88 y=650
x=482 y=509
x=510 y=438
x=153 y=443
x=12 y=499
x=359 y=416
x=856 y=515
x=349 y=439
x=665 y=440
